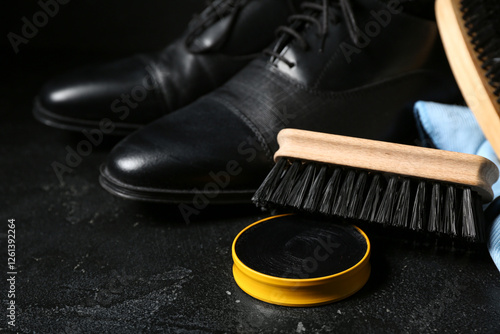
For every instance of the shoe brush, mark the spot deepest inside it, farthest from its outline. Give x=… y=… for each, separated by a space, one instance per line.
x=416 y=188
x=470 y=31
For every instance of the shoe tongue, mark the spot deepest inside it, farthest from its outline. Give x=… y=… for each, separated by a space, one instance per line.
x=212 y=28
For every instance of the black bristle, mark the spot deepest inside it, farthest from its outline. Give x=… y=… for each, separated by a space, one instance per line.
x=449 y=223
x=483 y=56
x=286 y=184
x=419 y=205
x=435 y=209
x=400 y=215
x=266 y=189
x=372 y=199
x=299 y=191
x=341 y=205
x=315 y=191
x=479 y=218
x=419 y=214
x=330 y=192
x=386 y=207
x=357 y=196
x=469 y=227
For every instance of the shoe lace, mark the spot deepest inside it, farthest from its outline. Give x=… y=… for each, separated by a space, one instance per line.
x=214 y=12
x=317 y=13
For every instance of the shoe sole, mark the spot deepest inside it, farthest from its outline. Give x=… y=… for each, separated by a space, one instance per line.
x=172 y=196
x=73 y=124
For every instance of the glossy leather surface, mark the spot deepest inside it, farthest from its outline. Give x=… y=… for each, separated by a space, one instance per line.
x=154 y=163
x=137 y=90
x=400 y=44
x=371 y=96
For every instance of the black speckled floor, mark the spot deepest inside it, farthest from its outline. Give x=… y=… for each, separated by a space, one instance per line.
x=88 y=262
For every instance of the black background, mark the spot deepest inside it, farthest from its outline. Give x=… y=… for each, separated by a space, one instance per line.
x=89 y=262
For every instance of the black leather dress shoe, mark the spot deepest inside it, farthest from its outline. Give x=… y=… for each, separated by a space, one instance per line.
x=135 y=91
x=323 y=74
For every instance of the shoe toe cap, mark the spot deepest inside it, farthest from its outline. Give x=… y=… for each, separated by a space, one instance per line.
x=202 y=149
x=122 y=91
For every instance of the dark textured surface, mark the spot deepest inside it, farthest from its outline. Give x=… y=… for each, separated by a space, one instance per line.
x=92 y=263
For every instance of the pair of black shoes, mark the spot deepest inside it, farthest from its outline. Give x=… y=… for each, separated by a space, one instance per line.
x=350 y=67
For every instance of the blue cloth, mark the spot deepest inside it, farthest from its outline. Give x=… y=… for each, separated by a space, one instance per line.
x=454 y=128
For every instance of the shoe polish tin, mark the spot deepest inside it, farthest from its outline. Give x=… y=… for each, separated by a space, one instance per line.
x=295 y=260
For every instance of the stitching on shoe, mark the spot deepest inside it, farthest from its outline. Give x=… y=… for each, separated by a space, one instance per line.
x=248 y=122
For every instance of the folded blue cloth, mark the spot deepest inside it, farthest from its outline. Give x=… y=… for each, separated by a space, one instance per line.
x=454 y=128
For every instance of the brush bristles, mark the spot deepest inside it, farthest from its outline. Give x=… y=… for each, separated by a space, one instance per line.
x=482 y=21
x=391 y=200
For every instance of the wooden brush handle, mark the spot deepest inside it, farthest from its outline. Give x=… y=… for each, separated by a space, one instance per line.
x=466 y=67
x=459 y=168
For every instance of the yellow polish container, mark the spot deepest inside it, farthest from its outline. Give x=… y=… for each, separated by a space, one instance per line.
x=325 y=270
